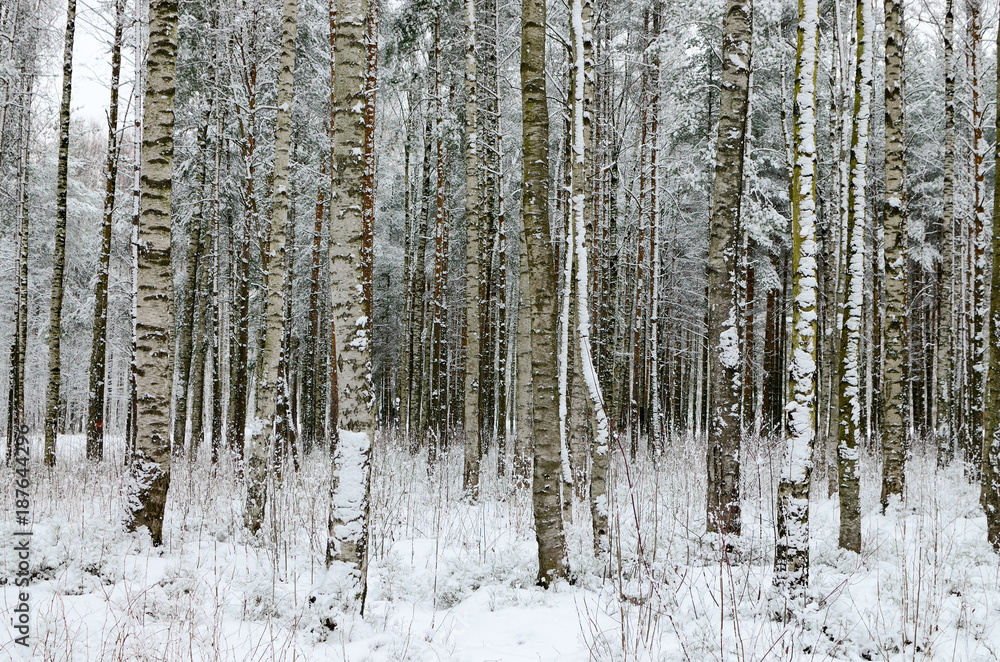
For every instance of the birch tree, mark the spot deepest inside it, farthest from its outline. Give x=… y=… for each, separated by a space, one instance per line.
x=894 y=391
x=791 y=559
x=154 y=323
x=723 y=514
x=271 y=388
x=59 y=251
x=582 y=230
x=980 y=312
x=943 y=409
x=552 y=562
x=990 y=496
x=472 y=426
x=849 y=446
x=350 y=275
x=98 y=358
x=18 y=349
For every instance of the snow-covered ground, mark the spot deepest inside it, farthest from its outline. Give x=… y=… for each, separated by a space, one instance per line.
x=450 y=580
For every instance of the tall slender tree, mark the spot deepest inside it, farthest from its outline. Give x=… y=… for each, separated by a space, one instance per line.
x=791 y=559
x=18 y=349
x=723 y=515
x=271 y=389
x=154 y=323
x=552 y=561
x=990 y=495
x=352 y=206
x=849 y=447
x=98 y=358
x=59 y=251
x=943 y=410
x=472 y=427
x=582 y=226
x=894 y=415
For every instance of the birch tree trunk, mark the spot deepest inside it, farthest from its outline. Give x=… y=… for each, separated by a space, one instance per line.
x=980 y=312
x=15 y=402
x=791 y=559
x=196 y=384
x=98 y=356
x=131 y=422
x=473 y=304
x=896 y=355
x=945 y=358
x=313 y=408
x=219 y=306
x=849 y=443
x=350 y=275
x=723 y=508
x=582 y=200
x=552 y=562
x=154 y=323
x=59 y=252
x=990 y=496
x=271 y=387
x=240 y=368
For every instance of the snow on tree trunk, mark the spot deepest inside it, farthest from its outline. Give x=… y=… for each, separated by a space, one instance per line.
x=791 y=559
x=895 y=344
x=723 y=508
x=943 y=407
x=552 y=562
x=582 y=86
x=154 y=323
x=849 y=444
x=271 y=386
x=350 y=276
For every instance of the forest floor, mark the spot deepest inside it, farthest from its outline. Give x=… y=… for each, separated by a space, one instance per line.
x=453 y=580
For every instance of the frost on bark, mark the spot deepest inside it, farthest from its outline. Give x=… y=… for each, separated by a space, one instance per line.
x=352 y=205
x=552 y=562
x=98 y=356
x=473 y=304
x=59 y=252
x=849 y=446
x=271 y=387
x=791 y=559
x=990 y=496
x=723 y=508
x=943 y=407
x=154 y=369
x=582 y=229
x=895 y=343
